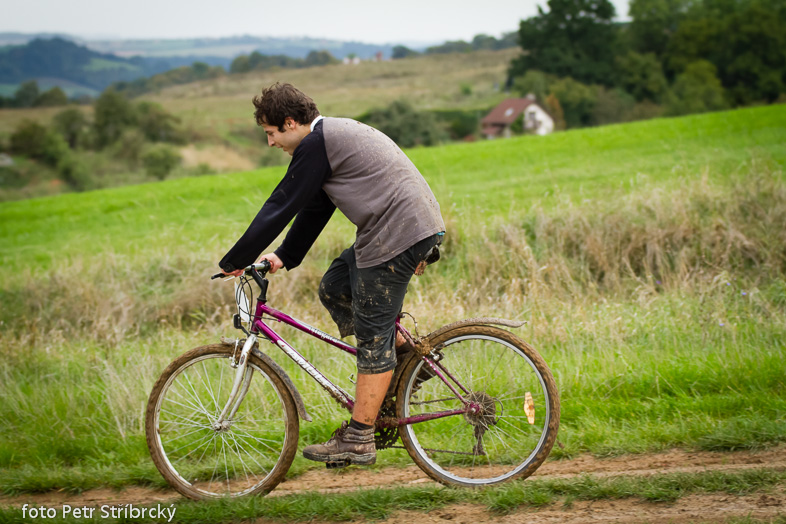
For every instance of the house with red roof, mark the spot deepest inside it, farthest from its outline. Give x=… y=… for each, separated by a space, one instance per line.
x=536 y=120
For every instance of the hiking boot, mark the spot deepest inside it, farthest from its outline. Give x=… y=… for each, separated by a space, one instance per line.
x=346 y=446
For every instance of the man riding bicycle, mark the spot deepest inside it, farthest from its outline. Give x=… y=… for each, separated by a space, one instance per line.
x=345 y=164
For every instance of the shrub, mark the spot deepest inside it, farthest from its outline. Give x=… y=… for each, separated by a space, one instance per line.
x=112 y=113
x=26 y=94
x=612 y=105
x=53 y=97
x=28 y=139
x=697 y=90
x=129 y=146
x=156 y=124
x=160 y=160
x=577 y=100
x=72 y=124
x=53 y=149
x=74 y=172
x=406 y=126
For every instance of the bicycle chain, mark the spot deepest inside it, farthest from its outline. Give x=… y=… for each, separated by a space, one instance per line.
x=440 y=451
x=433 y=401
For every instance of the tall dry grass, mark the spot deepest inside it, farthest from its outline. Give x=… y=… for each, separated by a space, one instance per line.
x=683 y=238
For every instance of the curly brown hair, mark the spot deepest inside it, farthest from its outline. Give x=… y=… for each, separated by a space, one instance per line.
x=281 y=101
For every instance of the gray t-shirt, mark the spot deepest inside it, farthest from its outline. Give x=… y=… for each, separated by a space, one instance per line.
x=346 y=164
x=379 y=190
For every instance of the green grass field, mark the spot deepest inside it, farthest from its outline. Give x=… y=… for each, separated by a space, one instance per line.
x=648 y=259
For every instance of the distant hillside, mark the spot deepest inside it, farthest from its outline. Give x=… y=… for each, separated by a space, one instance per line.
x=58 y=59
x=230 y=47
x=214 y=51
x=80 y=66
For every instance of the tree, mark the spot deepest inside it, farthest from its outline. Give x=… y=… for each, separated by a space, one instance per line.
x=453 y=46
x=28 y=139
x=160 y=160
x=555 y=110
x=574 y=38
x=697 y=90
x=612 y=105
x=533 y=82
x=26 y=94
x=112 y=114
x=240 y=64
x=401 y=51
x=641 y=76
x=74 y=173
x=72 y=124
x=53 y=97
x=156 y=124
x=653 y=22
x=406 y=126
x=577 y=101
x=53 y=149
x=482 y=41
x=33 y=140
x=317 y=58
x=745 y=41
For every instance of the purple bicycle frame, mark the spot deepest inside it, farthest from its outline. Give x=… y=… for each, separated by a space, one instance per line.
x=258 y=327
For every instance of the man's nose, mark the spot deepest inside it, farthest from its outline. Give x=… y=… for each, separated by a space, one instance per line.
x=270 y=141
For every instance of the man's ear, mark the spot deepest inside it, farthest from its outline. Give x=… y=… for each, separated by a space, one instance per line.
x=289 y=123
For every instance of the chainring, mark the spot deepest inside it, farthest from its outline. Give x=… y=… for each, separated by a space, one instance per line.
x=386 y=437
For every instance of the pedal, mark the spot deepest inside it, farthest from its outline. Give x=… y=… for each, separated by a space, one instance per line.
x=337 y=464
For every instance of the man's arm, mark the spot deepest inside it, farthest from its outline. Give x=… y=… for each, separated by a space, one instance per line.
x=299 y=187
x=304 y=231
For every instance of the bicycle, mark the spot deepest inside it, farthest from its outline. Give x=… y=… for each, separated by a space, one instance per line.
x=473 y=405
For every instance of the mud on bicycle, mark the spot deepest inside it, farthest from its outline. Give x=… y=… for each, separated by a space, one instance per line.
x=472 y=404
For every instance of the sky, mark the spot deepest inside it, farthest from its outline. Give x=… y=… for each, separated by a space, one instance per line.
x=372 y=21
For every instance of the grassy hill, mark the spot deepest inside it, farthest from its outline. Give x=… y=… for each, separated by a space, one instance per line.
x=648 y=259
x=428 y=82
x=498 y=180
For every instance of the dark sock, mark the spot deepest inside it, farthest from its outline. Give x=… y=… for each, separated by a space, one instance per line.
x=354 y=424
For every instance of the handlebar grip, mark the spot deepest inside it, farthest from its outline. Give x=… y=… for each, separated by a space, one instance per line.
x=263 y=266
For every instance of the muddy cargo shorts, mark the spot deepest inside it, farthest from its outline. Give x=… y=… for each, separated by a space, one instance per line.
x=366 y=301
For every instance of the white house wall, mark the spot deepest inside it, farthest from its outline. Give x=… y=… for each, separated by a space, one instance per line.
x=546 y=122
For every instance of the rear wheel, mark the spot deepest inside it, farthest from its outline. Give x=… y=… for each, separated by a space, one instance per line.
x=514 y=416
x=248 y=454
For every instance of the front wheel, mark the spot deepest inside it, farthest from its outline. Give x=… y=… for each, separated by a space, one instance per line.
x=248 y=454
x=510 y=401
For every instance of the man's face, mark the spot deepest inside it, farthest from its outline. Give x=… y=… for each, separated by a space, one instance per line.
x=289 y=138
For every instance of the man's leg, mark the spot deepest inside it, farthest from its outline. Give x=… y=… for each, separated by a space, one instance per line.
x=335 y=292
x=370 y=392
x=377 y=297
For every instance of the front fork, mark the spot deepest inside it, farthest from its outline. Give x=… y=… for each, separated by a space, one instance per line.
x=239 y=387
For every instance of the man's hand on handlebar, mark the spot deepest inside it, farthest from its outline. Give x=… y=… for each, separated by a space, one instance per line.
x=275 y=262
x=269 y=263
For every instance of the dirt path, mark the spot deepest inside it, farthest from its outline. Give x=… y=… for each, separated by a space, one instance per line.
x=692 y=509
x=695 y=508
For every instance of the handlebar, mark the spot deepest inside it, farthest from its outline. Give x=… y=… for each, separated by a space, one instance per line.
x=263 y=267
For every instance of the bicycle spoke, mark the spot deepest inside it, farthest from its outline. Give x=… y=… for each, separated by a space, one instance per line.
x=240 y=458
x=195 y=396
x=195 y=407
x=236 y=449
x=183 y=417
x=493 y=441
x=210 y=387
x=172 y=452
x=207 y=440
x=265 y=469
x=260 y=440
